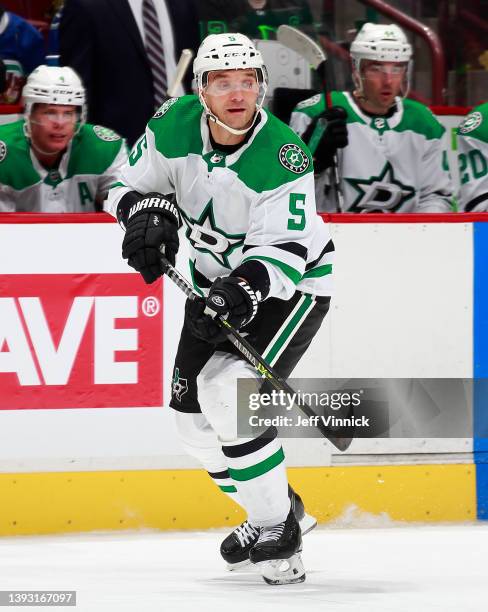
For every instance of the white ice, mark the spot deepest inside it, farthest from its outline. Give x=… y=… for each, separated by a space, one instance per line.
x=390 y=569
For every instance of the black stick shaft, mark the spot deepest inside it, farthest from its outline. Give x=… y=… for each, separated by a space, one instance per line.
x=253 y=357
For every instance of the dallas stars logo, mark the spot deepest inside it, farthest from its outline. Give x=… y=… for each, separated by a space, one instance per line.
x=471 y=122
x=206 y=237
x=381 y=193
x=293 y=158
x=179 y=385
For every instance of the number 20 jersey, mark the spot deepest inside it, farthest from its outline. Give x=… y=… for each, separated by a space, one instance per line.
x=473 y=160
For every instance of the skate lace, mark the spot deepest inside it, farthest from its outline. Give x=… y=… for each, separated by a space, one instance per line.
x=246 y=533
x=271 y=534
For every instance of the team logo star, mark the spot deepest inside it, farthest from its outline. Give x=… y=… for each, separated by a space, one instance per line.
x=179 y=385
x=206 y=237
x=383 y=193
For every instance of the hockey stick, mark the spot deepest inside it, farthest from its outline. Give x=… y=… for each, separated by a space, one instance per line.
x=183 y=63
x=314 y=54
x=253 y=357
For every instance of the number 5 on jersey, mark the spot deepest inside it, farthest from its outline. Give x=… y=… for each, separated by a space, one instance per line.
x=297 y=210
x=136 y=152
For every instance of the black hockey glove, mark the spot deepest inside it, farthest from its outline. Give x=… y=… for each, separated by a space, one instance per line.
x=152 y=222
x=335 y=136
x=231 y=298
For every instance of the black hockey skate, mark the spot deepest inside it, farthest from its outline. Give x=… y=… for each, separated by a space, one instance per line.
x=236 y=546
x=277 y=551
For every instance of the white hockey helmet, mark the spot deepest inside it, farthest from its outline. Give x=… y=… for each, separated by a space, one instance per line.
x=229 y=52
x=54 y=85
x=380 y=43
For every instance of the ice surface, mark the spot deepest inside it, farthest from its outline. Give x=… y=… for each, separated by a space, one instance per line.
x=391 y=569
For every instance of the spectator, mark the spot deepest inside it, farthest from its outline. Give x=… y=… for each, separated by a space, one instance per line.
x=391 y=157
x=105 y=42
x=52 y=161
x=22 y=50
x=473 y=160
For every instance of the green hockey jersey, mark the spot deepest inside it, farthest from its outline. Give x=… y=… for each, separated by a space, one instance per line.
x=84 y=175
x=473 y=160
x=256 y=203
x=393 y=164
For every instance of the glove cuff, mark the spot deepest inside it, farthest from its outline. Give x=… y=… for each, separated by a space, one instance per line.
x=256 y=275
x=155 y=202
x=253 y=300
x=133 y=203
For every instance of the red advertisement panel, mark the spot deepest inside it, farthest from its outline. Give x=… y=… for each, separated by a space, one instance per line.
x=80 y=341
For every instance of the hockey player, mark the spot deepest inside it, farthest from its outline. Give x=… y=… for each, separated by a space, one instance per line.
x=260 y=256
x=473 y=160
x=52 y=161
x=390 y=156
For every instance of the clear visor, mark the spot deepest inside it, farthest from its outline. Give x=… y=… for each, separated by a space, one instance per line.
x=222 y=85
x=396 y=70
x=51 y=117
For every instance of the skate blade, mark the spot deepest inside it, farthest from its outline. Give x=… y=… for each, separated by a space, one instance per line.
x=283 y=571
x=242 y=566
x=307 y=523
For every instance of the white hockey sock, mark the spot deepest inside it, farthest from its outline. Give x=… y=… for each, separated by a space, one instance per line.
x=226 y=485
x=258 y=468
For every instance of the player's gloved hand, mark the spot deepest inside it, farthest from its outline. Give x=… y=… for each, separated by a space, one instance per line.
x=232 y=298
x=152 y=223
x=335 y=136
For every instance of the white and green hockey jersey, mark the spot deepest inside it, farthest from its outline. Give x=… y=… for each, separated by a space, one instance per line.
x=473 y=160
x=84 y=175
x=257 y=203
x=394 y=164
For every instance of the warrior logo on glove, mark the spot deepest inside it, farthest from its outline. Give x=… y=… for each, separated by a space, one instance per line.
x=152 y=228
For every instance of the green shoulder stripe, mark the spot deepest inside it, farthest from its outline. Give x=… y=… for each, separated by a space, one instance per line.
x=311 y=106
x=275 y=157
x=418 y=118
x=176 y=127
x=316 y=104
x=339 y=98
x=16 y=169
x=93 y=150
x=475 y=125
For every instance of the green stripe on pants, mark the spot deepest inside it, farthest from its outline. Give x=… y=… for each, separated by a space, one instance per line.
x=285 y=334
x=259 y=469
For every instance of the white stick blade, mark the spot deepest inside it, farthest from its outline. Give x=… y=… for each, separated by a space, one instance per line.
x=302 y=44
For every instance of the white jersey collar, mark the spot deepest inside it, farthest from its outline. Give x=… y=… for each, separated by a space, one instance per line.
x=393 y=121
x=233 y=157
x=63 y=164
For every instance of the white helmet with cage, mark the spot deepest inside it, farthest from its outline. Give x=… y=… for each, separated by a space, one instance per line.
x=54 y=85
x=381 y=43
x=229 y=52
